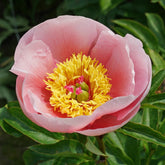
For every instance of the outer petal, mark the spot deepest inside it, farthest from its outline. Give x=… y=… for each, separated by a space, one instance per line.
x=113 y=52
x=140 y=60
x=66 y=35
x=121 y=70
x=35 y=94
x=35 y=59
x=102 y=50
x=23 y=42
x=99 y=131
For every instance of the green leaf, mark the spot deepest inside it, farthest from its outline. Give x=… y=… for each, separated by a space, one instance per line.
x=142 y=132
x=77 y=4
x=48 y=162
x=156 y=24
x=140 y=31
x=71 y=158
x=157 y=81
x=157 y=98
x=17 y=21
x=6 y=77
x=112 y=136
x=72 y=146
x=126 y=144
x=4 y=24
x=146 y=117
x=76 y=136
x=109 y=4
x=10 y=130
x=112 y=160
x=6 y=93
x=158 y=106
x=162 y=127
x=154 y=1
x=119 y=30
x=63 y=148
x=150 y=117
x=114 y=151
x=132 y=149
x=4 y=35
x=89 y=163
x=54 y=162
x=33 y=158
x=161 y=2
x=159 y=153
x=90 y=11
x=93 y=148
x=14 y=117
x=137 y=118
x=105 y=4
x=153 y=106
x=158 y=61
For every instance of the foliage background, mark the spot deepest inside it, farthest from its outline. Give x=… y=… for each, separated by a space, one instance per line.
x=143 y=18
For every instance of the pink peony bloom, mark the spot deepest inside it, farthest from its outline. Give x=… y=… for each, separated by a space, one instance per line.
x=50 y=43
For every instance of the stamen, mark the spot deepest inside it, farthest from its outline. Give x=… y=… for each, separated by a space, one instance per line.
x=78 y=86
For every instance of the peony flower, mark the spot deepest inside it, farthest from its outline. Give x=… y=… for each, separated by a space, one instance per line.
x=76 y=75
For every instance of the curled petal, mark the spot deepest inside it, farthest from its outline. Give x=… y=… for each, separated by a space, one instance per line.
x=113 y=122
x=68 y=35
x=35 y=59
x=142 y=63
x=121 y=70
x=116 y=53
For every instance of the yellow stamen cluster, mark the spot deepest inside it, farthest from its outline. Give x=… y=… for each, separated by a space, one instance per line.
x=66 y=73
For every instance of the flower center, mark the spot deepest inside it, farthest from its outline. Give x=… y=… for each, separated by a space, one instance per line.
x=78 y=86
x=80 y=91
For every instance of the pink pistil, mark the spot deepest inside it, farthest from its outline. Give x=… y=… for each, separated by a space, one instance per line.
x=69 y=88
x=80 y=79
x=78 y=90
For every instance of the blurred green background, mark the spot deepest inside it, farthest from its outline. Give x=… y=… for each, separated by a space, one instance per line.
x=143 y=18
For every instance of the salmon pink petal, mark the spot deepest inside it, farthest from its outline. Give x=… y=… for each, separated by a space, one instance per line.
x=34 y=93
x=23 y=42
x=121 y=70
x=112 y=122
x=55 y=124
x=118 y=62
x=20 y=81
x=142 y=63
x=68 y=35
x=103 y=47
x=35 y=59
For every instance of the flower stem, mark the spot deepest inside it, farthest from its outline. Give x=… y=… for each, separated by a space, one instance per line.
x=103 y=159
